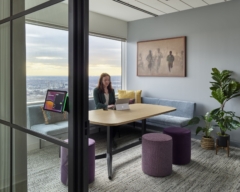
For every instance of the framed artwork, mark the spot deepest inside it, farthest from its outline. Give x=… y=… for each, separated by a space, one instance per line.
x=162 y=57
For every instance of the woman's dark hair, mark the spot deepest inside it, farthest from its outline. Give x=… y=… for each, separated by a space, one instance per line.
x=100 y=84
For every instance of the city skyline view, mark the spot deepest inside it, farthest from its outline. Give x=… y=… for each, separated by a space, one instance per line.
x=37 y=86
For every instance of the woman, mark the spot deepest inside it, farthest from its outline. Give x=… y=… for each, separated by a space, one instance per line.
x=104 y=95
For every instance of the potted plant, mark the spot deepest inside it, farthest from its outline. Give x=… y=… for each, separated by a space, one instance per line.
x=224 y=88
x=207 y=141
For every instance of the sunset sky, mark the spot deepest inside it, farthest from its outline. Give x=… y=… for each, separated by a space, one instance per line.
x=47 y=53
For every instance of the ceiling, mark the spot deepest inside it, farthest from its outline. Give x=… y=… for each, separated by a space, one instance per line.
x=130 y=10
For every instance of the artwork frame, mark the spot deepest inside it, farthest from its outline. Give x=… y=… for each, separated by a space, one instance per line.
x=162 y=57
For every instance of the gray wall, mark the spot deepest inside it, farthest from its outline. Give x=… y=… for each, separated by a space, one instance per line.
x=213 y=40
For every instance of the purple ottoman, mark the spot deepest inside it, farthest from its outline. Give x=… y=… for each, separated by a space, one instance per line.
x=157 y=154
x=181 y=144
x=91 y=162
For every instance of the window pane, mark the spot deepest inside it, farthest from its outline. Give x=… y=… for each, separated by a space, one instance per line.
x=5 y=72
x=22 y=5
x=38 y=169
x=4 y=158
x=104 y=57
x=4 y=9
x=47 y=61
x=40 y=62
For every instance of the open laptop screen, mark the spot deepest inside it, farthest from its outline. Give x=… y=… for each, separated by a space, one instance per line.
x=55 y=101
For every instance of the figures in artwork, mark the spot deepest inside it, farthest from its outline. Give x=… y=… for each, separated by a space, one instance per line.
x=140 y=61
x=170 y=59
x=150 y=60
x=159 y=56
x=155 y=64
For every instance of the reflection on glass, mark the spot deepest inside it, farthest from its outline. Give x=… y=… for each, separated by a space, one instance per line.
x=5 y=71
x=40 y=62
x=4 y=158
x=19 y=173
x=4 y=9
x=22 y=5
x=45 y=168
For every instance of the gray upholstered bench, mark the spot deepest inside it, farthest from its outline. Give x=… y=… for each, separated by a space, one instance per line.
x=179 y=118
x=58 y=129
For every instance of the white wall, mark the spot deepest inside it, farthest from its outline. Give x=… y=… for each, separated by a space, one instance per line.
x=213 y=40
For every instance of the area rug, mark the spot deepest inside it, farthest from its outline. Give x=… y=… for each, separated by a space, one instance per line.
x=206 y=171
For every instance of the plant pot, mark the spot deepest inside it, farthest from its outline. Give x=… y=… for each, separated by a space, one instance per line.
x=222 y=140
x=207 y=143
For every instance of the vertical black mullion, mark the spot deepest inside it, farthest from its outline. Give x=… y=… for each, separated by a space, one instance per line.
x=78 y=95
x=11 y=97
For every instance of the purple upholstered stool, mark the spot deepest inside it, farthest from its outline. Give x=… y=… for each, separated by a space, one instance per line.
x=91 y=162
x=181 y=144
x=157 y=154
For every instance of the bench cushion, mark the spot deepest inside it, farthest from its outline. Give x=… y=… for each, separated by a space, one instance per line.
x=184 y=108
x=51 y=129
x=168 y=120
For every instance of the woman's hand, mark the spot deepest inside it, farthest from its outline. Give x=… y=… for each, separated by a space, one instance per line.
x=111 y=106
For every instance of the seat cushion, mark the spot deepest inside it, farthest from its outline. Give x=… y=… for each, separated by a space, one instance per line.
x=53 y=117
x=51 y=129
x=169 y=120
x=131 y=94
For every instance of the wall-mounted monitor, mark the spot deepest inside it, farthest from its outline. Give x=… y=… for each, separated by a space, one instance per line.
x=55 y=101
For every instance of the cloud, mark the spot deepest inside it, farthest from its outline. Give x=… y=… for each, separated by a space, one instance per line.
x=32 y=35
x=47 y=52
x=49 y=58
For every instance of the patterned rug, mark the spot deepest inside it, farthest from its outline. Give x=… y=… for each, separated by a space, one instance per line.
x=205 y=172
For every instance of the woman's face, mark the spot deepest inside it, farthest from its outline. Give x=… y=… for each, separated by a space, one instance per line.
x=105 y=81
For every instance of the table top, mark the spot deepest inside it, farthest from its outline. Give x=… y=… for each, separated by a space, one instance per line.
x=138 y=111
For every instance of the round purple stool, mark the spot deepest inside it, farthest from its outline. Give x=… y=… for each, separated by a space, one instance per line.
x=157 y=154
x=91 y=162
x=181 y=144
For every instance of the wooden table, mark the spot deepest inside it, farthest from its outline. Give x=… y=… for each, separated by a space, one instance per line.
x=111 y=118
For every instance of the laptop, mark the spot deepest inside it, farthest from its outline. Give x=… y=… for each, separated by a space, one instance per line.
x=122 y=104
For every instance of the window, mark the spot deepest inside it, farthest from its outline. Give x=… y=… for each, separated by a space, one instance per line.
x=104 y=57
x=47 y=61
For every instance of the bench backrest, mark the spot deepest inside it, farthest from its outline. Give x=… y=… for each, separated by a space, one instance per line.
x=35 y=114
x=184 y=108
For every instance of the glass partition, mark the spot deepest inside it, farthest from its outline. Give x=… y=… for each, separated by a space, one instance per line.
x=40 y=62
x=4 y=9
x=22 y=5
x=5 y=71
x=39 y=169
x=4 y=158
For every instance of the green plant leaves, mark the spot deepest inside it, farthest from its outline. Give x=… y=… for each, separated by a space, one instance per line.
x=193 y=121
x=218 y=95
x=198 y=130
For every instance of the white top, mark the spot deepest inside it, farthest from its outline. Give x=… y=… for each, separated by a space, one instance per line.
x=107 y=98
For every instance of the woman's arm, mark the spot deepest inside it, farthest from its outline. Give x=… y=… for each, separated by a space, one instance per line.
x=98 y=104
